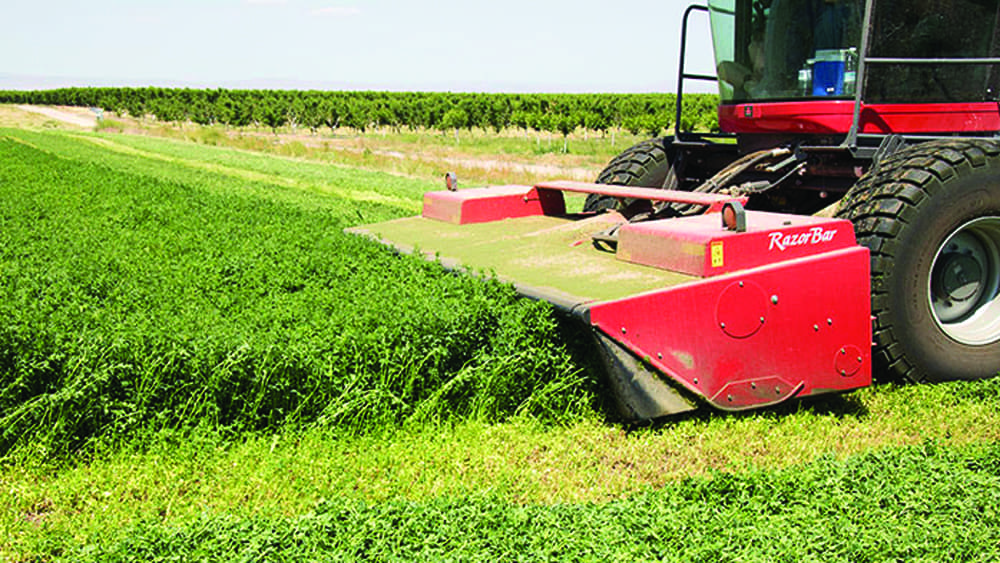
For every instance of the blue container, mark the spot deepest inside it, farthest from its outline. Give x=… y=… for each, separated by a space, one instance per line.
x=828 y=73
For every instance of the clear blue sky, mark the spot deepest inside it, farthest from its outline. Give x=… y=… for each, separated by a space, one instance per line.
x=457 y=45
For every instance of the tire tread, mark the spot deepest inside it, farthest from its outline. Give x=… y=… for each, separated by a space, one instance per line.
x=883 y=203
x=630 y=168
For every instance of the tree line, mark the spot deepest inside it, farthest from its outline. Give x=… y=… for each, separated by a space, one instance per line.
x=364 y=110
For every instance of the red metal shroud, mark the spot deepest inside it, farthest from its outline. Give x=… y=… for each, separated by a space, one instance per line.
x=692 y=246
x=482 y=205
x=835 y=116
x=758 y=337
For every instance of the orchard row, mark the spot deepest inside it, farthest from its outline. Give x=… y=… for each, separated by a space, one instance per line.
x=562 y=113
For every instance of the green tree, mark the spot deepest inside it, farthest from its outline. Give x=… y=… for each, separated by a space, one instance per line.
x=269 y=112
x=565 y=124
x=330 y=112
x=454 y=119
x=224 y=108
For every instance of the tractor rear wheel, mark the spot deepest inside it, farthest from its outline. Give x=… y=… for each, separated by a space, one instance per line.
x=930 y=215
x=646 y=164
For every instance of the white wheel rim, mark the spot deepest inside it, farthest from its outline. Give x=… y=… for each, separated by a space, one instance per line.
x=964 y=284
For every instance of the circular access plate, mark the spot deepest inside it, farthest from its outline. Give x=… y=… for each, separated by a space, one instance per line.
x=741 y=309
x=848 y=360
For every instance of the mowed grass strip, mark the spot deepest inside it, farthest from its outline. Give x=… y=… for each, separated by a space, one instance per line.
x=323 y=179
x=178 y=475
x=131 y=300
x=920 y=503
x=266 y=176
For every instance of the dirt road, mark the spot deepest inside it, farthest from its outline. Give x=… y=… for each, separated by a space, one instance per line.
x=81 y=117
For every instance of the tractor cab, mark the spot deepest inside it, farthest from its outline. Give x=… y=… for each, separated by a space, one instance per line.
x=796 y=66
x=786 y=49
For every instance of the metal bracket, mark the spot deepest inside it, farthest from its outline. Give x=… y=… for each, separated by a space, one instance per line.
x=734 y=217
x=889 y=145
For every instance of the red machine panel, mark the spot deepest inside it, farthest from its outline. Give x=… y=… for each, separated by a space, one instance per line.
x=482 y=205
x=835 y=116
x=701 y=246
x=757 y=337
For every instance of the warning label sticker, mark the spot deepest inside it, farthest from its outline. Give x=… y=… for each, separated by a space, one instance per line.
x=718 y=255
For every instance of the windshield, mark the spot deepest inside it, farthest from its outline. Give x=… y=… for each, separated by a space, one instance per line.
x=785 y=49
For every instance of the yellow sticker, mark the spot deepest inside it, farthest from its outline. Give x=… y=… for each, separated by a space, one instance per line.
x=718 y=257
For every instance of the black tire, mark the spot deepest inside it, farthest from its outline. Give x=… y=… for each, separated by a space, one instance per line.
x=930 y=215
x=646 y=164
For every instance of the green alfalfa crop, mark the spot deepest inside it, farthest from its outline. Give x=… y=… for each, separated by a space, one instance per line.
x=131 y=302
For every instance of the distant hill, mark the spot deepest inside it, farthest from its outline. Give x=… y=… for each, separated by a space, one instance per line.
x=10 y=81
x=32 y=82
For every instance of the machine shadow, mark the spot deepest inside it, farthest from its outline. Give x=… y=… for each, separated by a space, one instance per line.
x=835 y=405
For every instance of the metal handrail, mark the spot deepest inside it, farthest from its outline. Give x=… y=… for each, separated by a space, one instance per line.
x=916 y=61
x=681 y=75
x=853 y=134
x=851 y=141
